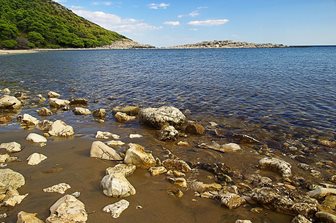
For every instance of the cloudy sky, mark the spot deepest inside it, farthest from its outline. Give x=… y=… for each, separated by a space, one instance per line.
x=173 y=22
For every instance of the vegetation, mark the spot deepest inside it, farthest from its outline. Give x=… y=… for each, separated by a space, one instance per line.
x=46 y=24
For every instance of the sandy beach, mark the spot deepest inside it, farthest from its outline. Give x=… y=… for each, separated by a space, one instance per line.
x=7 y=52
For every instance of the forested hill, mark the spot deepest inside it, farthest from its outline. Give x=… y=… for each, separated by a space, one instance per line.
x=47 y=24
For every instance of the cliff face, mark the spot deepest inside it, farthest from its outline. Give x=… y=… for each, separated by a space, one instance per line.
x=228 y=44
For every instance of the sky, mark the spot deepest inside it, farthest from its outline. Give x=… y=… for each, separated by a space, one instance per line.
x=176 y=22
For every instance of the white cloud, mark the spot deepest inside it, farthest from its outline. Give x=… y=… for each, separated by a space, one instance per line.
x=210 y=22
x=102 y=3
x=194 y=13
x=158 y=6
x=60 y=1
x=172 y=23
x=114 y=22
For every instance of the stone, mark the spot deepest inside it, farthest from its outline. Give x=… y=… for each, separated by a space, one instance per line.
x=12 y=198
x=229 y=147
x=44 y=112
x=158 y=117
x=326 y=217
x=329 y=203
x=36 y=138
x=67 y=209
x=183 y=143
x=117 y=208
x=300 y=219
x=58 y=103
x=243 y=221
x=284 y=168
x=11 y=147
x=176 y=164
x=321 y=192
x=328 y=143
x=4 y=158
x=25 y=217
x=58 y=188
x=123 y=169
x=60 y=128
x=179 y=181
x=168 y=133
x=79 y=102
x=5 y=119
x=53 y=94
x=195 y=128
x=201 y=187
x=137 y=156
x=36 y=158
x=81 y=111
x=11 y=179
x=135 y=136
x=117 y=186
x=231 y=200
x=115 y=143
x=175 y=173
x=99 y=113
x=106 y=135
x=154 y=171
x=102 y=151
x=44 y=125
x=10 y=102
x=28 y=120
x=123 y=117
x=6 y=91
x=129 y=110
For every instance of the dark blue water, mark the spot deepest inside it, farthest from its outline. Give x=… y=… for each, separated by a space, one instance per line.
x=278 y=87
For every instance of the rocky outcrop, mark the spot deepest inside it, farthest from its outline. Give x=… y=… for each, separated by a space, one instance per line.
x=10 y=102
x=137 y=156
x=127 y=44
x=227 y=44
x=102 y=151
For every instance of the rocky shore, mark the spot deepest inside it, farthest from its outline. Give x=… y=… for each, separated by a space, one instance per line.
x=227 y=44
x=147 y=150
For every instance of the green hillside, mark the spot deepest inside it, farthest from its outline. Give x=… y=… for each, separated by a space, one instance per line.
x=47 y=24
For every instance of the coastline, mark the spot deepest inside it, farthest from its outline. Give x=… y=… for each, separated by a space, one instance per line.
x=10 y=52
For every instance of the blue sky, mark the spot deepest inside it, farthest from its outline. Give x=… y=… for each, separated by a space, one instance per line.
x=174 y=22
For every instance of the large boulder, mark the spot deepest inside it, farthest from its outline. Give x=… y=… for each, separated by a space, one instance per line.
x=60 y=128
x=11 y=179
x=102 y=151
x=116 y=185
x=9 y=102
x=158 y=117
x=137 y=156
x=67 y=209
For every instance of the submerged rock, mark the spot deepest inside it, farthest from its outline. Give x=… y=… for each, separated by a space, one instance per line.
x=117 y=186
x=106 y=135
x=67 y=209
x=25 y=217
x=28 y=120
x=243 y=221
x=154 y=171
x=129 y=110
x=158 y=117
x=123 y=117
x=230 y=147
x=137 y=156
x=12 y=198
x=58 y=188
x=99 y=113
x=168 y=133
x=201 y=187
x=102 y=151
x=115 y=143
x=195 y=128
x=176 y=164
x=117 y=208
x=9 y=102
x=79 y=102
x=11 y=147
x=58 y=103
x=231 y=200
x=60 y=128
x=44 y=112
x=284 y=168
x=179 y=181
x=11 y=179
x=81 y=111
x=36 y=138
x=44 y=125
x=53 y=94
x=36 y=158
x=5 y=119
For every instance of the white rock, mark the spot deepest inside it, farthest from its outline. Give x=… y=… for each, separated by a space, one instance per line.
x=135 y=136
x=11 y=179
x=123 y=117
x=243 y=221
x=158 y=117
x=230 y=147
x=321 y=192
x=123 y=169
x=276 y=164
x=4 y=158
x=117 y=186
x=76 y=194
x=6 y=91
x=137 y=156
x=117 y=208
x=53 y=94
x=67 y=209
x=36 y=138
x=115 y=143
x=102 y=151
x=11 y=147
x=81 y=111
x=60 y=128
x=58 y=188
x=24 y=217
x=29 y=120
x=36 y=158
x=14 y=200
x=106 y=135
x=157 y=170
x=9 y=102
x=58 y=103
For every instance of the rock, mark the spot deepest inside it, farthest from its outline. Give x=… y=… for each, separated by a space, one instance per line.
x=36 y=138
x=123 y=169
x=175 y=173
x=195 y=128
x=4 y=215
x=333 y=178
x=81 y=111
x=179 y=181
x=326 y=217
x=329 y=203
x=115 y=143
x=76 y=194
x=117 y=186
x=106 y=135
x=176 y=192
x=44 y=112
x=201 y=187
x=243 y=221
x=168 y=133
x=328 y=143
x=60 y=128
x=137 y=156
x=6 y=91
x=123 y=117
x=183 y=143
x=158 y=117
x=5 y=119
x=4 y=158
x=58 y=188
x=321 y=192
x=36 y=158
x=11 y=147
x=67 y=209
x=230 y=147
x=58 y=103
x=102 y=151
x=12 y=198
x=135 y=136
x=154 y=171
x=175 y=164
x=117 y=208
x=300 y=219
x=28 y=120
x=99 y=113
x=11 y=179
x=129 y=110
x=44 y=125
x=281 y=166
x=25 y=217
x=10 y=102
x=53 y=94
x=79 y=102
x=231 y=200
